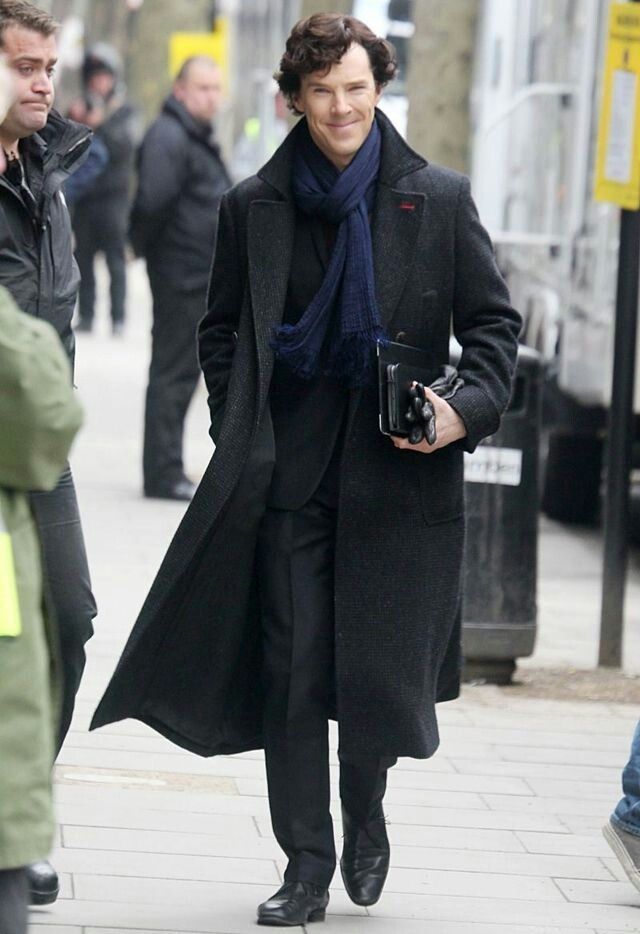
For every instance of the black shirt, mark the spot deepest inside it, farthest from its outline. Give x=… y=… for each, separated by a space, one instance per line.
x=308 y=415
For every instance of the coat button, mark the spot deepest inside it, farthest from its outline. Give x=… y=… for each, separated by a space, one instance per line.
x=401 y=337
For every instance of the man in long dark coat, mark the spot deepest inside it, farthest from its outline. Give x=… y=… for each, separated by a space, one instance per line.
x=317 y=571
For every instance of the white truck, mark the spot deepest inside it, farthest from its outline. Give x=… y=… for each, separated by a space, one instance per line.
x=535 y=102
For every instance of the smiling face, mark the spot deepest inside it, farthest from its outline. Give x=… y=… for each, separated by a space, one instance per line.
x=340 y=105
x=31 y=59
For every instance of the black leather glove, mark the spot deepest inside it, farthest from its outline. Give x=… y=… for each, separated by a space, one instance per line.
x=421 y=414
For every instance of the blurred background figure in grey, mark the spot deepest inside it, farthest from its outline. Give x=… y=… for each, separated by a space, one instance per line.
x=100 y=212
x=181 y=178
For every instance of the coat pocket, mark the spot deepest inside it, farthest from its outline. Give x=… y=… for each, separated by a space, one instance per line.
x=441 y=484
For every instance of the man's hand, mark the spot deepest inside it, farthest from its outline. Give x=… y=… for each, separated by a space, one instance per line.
x=449 y=427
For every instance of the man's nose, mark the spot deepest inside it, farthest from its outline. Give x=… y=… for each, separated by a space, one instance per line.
x=341 y=103
x=42 y=84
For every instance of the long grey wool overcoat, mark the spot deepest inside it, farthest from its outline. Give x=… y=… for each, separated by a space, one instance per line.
x=191 y=668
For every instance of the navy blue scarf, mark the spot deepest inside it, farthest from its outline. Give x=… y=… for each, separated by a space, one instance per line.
x=346 y=350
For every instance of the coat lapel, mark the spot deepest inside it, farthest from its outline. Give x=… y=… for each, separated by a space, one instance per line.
x=270 y=247
x=396 y=224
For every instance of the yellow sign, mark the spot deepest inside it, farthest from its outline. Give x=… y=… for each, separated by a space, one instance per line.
x=618 y=159
x=10 y=623
x=184 y=45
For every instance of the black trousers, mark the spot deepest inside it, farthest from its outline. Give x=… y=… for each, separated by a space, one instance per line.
x=173 y=377
x=295 y=565
x=14 y=901
x=101 y=227
x=67 y=578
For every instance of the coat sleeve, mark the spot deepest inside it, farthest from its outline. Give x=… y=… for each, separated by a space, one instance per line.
x=162 y=173
x=218 y=330
x=484 y=323
x=39 y=414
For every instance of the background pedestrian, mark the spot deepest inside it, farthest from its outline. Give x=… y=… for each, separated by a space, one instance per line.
x=181 y=178
x=39 y=417
x=622 y=833
x=38 y=269
x=101 y=212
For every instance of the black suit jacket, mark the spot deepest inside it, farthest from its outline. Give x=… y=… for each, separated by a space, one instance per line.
x=307 y=414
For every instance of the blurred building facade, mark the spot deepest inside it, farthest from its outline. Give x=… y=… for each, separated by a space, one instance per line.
x=535 y=102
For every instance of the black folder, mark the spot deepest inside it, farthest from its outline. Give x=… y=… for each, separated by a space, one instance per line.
x=399 y=366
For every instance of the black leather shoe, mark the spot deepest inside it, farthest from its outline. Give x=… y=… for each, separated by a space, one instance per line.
x=365 y=859
x=43 y=883
x=295 y=903
x=180 y=490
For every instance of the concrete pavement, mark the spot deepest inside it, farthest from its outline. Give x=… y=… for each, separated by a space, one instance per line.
x=500 y=832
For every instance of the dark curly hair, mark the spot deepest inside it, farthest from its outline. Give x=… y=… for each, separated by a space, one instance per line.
x=320 y=41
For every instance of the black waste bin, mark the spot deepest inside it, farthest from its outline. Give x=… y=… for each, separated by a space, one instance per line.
x=501 y=489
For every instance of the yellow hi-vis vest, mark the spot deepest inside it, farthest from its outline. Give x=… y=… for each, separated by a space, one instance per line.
x=10 y=624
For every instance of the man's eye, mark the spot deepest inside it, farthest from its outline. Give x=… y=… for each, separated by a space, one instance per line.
x=25 y=69
x=51 y=72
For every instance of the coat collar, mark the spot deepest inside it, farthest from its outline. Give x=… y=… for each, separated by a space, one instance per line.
x=52 y=155
x=197 y=128
x=62 y=141
x=398 y=158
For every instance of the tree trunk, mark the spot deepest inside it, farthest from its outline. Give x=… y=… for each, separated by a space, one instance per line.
x=147 y=33
x=308 y=7
x=439 y=80
x=107 y=22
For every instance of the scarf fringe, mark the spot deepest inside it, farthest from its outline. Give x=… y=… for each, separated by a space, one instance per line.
x=289 y=347
x=352 y=363
x=354 y=359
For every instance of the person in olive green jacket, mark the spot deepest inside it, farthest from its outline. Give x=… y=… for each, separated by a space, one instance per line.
x=39 y=418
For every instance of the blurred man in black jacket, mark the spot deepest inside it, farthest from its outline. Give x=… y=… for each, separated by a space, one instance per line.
x=100 y=213
x=181 y=178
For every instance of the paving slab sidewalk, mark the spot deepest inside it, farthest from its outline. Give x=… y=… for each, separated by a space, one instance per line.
x=500 y=832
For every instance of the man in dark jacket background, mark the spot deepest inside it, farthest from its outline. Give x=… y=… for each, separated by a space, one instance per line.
x=100 y=215
x=37 y=267
x=174 y=221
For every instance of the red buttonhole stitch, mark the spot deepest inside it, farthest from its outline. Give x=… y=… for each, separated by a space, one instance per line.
x=407 y=206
